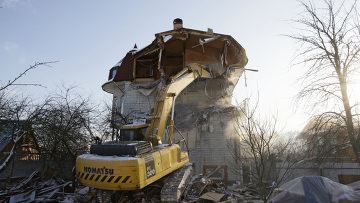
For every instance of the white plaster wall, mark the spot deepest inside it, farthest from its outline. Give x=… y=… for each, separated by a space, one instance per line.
x=134 y=100
x=210 y=141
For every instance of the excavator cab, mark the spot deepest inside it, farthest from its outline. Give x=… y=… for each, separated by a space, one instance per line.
x=133 y=132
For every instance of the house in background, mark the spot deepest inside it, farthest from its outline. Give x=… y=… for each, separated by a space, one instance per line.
x=27 y=145
x=329 y=151
x=326 y=141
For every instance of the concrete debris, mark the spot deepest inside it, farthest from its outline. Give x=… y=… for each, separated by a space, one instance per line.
x=216 y=69
x=202 y=189
x=84 y=191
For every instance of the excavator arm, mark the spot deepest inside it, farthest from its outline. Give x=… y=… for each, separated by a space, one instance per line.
x=166 y=99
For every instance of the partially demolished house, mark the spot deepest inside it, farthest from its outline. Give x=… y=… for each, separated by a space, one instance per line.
x=204 y=115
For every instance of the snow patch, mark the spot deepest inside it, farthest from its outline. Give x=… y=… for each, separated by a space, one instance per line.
x=106 y=158
x=167 y=38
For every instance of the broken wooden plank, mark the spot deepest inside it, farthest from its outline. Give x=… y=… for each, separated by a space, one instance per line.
x=25 y=181
x=49 y=189
x=50 y=196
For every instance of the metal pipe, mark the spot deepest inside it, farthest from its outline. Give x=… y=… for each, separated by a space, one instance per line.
x=171 y=129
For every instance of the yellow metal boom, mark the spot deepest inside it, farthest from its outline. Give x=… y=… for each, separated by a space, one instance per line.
x=166 y=98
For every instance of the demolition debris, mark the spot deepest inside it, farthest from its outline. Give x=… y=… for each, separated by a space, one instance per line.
x=201 y=189
x=34 y=189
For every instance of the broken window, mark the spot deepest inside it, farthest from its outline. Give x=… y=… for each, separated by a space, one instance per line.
x=145 y=67
x=112 y=73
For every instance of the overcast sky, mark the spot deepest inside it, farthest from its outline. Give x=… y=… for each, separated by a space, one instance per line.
x=88 y=37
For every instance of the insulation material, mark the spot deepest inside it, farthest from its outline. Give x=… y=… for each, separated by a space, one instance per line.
x=146 y=88
x=311 y=189
x=216 y=69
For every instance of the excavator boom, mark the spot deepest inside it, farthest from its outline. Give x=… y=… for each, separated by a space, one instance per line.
x=166 y=97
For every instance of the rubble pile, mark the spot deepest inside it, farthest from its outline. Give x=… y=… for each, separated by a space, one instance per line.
x=202 y=189
x=199 y=190
x=34 y=189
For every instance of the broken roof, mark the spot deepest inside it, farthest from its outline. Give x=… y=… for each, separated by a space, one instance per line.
x=172 y=50
x=198 y=41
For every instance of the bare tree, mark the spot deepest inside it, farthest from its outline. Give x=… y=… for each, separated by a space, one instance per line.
x=111 y=120
x=18 y=110
x=329 y=36
x=263 y=156
x=105 y=124
x=13 y=106
x=12 y=111
x=326 y=145
x=64 y=126
x=20 y=115
x=12 y=83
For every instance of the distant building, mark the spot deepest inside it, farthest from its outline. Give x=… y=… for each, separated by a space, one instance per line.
x=327 y=140
x=328 y=151
x=9 y=130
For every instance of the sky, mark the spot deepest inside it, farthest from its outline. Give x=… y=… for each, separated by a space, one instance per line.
x=88 y=37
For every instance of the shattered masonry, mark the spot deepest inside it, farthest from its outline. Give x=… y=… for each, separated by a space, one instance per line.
x=203 y=112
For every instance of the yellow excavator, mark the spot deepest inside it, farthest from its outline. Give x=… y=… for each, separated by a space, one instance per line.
x=137 y=161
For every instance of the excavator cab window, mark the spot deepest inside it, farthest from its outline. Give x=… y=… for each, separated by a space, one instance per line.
x=127 y=134
x=133 y=134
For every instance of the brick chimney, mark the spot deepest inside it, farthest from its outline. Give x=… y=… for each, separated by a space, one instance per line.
x=178 y=23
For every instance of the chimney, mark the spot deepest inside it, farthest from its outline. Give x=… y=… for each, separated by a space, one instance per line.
x=178 y=23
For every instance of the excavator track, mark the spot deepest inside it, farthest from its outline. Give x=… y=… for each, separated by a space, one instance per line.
x=176 y=182
x=167 y=189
